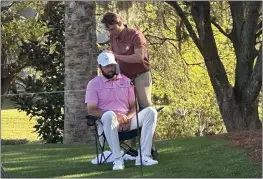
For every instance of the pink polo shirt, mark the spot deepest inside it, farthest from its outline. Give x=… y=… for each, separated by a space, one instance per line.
x=110 y=95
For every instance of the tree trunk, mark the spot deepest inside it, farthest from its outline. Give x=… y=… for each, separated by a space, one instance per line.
x=238 y=116
x=80 y=67
x=239 y=104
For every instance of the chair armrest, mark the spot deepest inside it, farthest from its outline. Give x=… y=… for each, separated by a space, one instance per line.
x=91 y=119
x=157 y=109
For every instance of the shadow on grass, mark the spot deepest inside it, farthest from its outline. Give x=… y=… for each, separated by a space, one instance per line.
x=185 y=157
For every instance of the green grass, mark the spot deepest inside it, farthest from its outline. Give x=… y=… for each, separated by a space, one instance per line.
x=199 y=157
x=16 y=125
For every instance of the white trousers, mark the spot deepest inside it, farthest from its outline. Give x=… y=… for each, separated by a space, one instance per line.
x=147 y=120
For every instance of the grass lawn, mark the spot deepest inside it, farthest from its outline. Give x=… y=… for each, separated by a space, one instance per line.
x=16 y=125
x=200 y=157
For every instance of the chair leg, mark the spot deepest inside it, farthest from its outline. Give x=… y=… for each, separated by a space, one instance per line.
x=102 y=150
x=127 y=150
x=97 y=141
x=101 y=146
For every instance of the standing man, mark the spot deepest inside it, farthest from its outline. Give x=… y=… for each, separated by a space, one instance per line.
x=129 y=48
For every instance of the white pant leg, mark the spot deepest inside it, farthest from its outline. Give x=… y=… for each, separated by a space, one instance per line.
x=110 y=127
x=147 y=119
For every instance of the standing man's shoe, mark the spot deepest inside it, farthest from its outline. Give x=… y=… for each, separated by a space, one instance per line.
x=146 y=161
x=155 y=154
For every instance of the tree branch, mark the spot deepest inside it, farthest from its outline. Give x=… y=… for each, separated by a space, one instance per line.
x=5 y=8
x=259 y=33
x=254 y=84
x=221 y=29
x=260 y=25
x=187 y=24
x=258 y=42
x=164 y=23
x=188 y=64
x=161 y=38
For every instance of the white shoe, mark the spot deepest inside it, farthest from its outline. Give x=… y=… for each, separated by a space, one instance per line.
x=118 y=164
x=145 y=161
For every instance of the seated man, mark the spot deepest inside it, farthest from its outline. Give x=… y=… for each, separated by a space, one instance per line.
x=111 y=98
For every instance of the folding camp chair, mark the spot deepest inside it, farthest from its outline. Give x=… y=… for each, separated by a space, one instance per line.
x=123 y=136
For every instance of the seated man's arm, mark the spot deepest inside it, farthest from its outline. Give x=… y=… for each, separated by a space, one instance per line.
x=94 y=110
x=91 y=99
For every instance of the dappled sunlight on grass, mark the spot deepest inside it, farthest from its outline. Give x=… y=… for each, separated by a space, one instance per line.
x=193 y=157
x=83 y=175
x=22 y=168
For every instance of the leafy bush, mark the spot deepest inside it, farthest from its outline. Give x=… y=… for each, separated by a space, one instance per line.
x=173 y=122
x=47 y=106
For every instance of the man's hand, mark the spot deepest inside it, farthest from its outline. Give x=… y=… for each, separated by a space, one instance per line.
x=124 y=127
x=109 y=51
x=122 y=118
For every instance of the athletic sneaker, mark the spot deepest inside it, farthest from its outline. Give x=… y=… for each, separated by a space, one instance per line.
x=118 y=164
x=145 y=161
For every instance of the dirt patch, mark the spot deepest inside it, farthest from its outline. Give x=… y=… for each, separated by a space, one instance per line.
x=250 y=140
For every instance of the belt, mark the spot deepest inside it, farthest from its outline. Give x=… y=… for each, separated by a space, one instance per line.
x=138 y=74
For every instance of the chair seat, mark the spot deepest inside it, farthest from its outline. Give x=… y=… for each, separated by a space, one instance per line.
x=126 y=135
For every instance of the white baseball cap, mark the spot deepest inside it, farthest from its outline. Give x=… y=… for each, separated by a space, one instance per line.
x=106 y=58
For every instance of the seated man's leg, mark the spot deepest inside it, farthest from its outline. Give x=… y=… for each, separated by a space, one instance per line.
x=147 y=119
x=110 y=127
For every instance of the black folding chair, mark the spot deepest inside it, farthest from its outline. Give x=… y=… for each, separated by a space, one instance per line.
x=123 y=136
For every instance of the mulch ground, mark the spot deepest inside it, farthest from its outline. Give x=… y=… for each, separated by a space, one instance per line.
x=250 y=140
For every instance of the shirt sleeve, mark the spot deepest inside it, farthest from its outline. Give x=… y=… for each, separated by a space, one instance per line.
x=139 y=40
x=91 y=93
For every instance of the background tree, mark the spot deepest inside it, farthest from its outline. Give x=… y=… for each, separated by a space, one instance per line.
x=238 y=104
x=18 y=27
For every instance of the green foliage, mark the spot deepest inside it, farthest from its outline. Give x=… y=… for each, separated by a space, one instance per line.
x=180 y=79
x=48 y=57
x=16 y=29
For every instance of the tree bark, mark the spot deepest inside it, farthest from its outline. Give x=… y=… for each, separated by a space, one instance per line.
x=80 y=67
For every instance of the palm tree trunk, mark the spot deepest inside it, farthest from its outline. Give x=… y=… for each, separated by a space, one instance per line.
x=80 y=67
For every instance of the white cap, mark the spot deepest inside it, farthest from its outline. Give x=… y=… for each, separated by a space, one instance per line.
x=106 y=58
